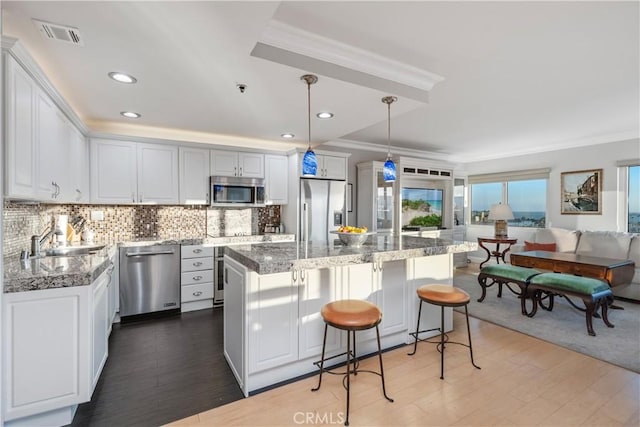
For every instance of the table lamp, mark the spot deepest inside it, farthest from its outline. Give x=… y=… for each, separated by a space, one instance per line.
x=500 y=214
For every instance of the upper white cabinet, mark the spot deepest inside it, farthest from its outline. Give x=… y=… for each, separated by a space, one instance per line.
x=113 y=171
x=329 y=167
x=275 y=177
x=157 y=173
x=46 y=156
x=79 y=166
x=230 y=163
x=129 y=172
x=19 y=108
x=194 y=176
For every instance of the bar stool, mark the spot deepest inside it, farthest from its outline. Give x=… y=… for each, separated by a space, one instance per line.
x=351 y=316
x=442 y=296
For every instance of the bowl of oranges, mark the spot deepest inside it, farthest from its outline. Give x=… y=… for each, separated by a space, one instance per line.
x=353 y=236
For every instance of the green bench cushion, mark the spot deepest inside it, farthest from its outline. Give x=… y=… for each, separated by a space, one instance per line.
x=508 y=271
x=569 y=282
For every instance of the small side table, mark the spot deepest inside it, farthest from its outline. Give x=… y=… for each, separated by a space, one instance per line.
x=497 y=253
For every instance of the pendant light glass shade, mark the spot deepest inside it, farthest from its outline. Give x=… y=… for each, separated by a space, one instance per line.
x=389 y=170
x=309 y=161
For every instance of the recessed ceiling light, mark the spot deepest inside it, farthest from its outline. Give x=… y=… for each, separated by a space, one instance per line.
x=324 y=115
x=122 y=77
x=131 y=114
x=287 y=135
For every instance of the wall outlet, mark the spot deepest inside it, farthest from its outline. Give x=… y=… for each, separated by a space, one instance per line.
x=97 y=215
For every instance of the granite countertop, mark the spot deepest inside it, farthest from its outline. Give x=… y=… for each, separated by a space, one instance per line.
x=81 y=270
x=283 y=257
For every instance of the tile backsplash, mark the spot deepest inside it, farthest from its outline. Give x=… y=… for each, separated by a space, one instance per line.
x=129 y=222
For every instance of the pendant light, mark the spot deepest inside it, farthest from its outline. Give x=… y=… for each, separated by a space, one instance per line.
x=389 y=170
x=309 y=161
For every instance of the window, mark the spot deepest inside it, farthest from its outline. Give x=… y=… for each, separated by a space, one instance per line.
x=633 y=199
x=524 y=191
x=629 y=195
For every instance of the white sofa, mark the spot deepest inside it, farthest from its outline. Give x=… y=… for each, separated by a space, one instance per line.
x=604 y=244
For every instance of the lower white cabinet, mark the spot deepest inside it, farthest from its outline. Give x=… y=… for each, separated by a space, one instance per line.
x=196 y=277
x=234 y=317
x=54 y=344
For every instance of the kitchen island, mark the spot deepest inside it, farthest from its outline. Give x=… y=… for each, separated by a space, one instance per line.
x=273 y=295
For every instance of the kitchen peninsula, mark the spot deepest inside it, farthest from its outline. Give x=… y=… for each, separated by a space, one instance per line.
x=273 y=295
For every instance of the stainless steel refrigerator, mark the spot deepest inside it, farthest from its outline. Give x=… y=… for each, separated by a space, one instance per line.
x=322 y=209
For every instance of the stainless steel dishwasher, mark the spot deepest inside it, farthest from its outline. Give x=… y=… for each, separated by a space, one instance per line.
x=149 y=279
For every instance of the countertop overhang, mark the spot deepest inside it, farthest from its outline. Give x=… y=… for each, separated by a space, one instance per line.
x=284 y=257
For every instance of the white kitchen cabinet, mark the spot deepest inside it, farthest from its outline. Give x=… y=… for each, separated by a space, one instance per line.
x=234 y=320
x=19 y=110
x=51 y=150
x=393 y=296
x=231 y=163
x=54 y=344
x=129 y=172
x=194 y=176
x=196 y=277
x=329 y=167
x=113 y=171
x=315 y=289
x=157 y=173
x=46 y=350
x=272 y=320
x=78 y=153
x=375 y=198
x=100 y=324
x=276 y=179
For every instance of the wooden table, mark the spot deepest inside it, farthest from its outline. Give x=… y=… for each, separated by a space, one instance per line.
x=497 y=253
x=614 y=271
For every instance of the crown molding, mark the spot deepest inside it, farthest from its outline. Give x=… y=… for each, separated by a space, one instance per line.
x=398 y=151
x=293 y=39
x=14 y=48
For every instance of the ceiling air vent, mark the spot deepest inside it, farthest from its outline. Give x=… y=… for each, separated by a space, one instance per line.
x=59 y=32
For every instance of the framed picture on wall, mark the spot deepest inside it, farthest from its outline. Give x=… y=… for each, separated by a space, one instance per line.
x=581 y=192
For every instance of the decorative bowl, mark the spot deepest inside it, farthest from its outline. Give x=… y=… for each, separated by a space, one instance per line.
x=353 y=239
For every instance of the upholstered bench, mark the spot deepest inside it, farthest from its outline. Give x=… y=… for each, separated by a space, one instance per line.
x=506 y=274
x=594 y=293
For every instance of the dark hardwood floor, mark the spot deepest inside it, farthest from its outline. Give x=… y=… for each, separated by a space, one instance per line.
x=161 y=370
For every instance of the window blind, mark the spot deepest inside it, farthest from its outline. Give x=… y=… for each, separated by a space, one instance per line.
x=510 y=176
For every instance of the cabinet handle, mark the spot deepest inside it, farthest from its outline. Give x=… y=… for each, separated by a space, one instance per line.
x=375 y=264
x=197 y=251
x=302 y=276
x=133 y=197
x=240 y=170
x=141 y=197
x=197 y=264
x=294 y=275
x=197 y=277
x=197 y=293
x=235 y=171
x=79 y=194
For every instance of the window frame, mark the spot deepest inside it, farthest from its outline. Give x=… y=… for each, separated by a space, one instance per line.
x=623 y=193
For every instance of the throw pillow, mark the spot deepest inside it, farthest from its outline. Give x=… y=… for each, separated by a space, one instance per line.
x=531 y=246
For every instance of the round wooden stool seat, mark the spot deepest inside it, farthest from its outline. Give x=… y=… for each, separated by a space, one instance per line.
x=351 y=314
x=446 y=295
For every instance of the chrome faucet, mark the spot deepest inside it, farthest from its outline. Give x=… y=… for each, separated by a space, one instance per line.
x=38 y=241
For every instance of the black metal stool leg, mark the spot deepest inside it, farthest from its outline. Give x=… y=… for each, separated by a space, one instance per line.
x=415 y=344
x=384 y=390
x=441 y=342
x=355 y=365
x=324 y=343
x=346 y=423
x=466 y=313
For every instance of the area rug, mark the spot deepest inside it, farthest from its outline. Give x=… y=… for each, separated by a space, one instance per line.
x=564 y=326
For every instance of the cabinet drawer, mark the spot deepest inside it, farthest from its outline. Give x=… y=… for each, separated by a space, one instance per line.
x=192 y=277
x=195 y=264
x=197 y=292
x=196 y=251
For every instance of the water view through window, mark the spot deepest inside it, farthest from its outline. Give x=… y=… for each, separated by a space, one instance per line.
x=634 y=199
x=527 y=200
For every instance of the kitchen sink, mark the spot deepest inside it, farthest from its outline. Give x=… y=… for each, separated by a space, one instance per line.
x=73 y=250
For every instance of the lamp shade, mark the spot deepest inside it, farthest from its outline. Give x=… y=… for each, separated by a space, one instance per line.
x=309 y=163
x=389 y=171
x=500 y=212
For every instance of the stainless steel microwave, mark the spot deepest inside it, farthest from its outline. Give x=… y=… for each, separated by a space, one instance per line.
x=228 y=191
